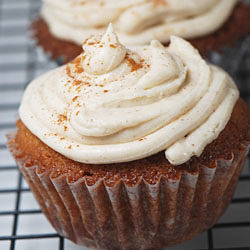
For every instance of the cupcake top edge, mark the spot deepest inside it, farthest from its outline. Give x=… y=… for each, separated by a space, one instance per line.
x=137 y=21
x=115 y=104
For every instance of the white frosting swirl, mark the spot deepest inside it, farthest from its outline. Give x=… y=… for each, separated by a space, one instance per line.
x=137 y=21
x=133 y=106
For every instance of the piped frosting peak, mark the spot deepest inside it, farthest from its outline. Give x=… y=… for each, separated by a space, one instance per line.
x=103 y=54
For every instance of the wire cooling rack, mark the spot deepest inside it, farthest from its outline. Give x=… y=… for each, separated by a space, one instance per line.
x=22 y=224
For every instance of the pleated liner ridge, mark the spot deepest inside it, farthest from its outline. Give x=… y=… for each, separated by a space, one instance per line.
x=142 y=216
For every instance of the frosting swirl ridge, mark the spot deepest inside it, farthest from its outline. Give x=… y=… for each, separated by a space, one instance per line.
x=140 y=102
x=136 y=21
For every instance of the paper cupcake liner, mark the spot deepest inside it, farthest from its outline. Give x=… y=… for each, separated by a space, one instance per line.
x=142 y=216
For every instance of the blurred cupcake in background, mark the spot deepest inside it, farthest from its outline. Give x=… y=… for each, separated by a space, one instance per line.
x=210 y=25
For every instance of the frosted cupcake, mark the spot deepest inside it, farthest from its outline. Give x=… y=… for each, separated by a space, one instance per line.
x=132 y=149
x=210 y=25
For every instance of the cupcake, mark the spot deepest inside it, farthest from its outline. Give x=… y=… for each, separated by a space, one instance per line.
x=209 y=25
x=132 y=148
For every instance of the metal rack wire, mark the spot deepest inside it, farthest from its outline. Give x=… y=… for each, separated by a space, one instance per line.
x=20 y=62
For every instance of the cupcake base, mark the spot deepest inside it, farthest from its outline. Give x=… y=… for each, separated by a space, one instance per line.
x=234 y=29
x=144 y=204
x=140 y=217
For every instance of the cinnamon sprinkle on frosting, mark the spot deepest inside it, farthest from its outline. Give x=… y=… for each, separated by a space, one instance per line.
x=62 y=118
x=74 y=99
x=133 y=64
x=158 y=2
